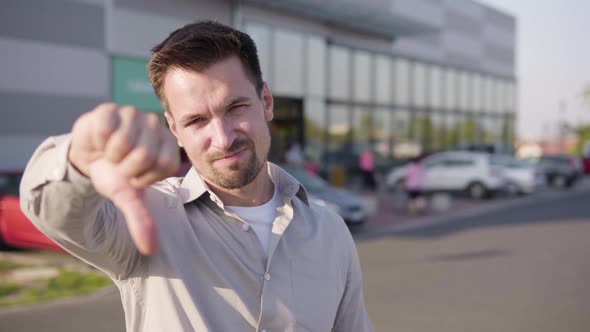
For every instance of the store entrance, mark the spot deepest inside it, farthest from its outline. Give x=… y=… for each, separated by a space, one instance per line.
x=286 y=127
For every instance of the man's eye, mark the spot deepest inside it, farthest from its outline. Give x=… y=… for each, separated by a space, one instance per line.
x=236 y=108
x=196 y=121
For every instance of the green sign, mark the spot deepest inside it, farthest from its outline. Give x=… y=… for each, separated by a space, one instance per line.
x=131 y=85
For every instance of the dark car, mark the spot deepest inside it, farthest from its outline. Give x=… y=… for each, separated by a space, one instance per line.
x=15 y=228
x=348 y=205
x=561 y=171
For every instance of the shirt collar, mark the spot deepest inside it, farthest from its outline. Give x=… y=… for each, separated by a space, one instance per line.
x=193 y=186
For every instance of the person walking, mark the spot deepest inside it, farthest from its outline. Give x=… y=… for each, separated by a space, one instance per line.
x=414 y=185
x=236 y=244
x=367 y=168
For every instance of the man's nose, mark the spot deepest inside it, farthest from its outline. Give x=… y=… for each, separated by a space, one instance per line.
x=223 y=134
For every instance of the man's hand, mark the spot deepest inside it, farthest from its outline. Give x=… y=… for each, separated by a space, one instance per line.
x=123 y=151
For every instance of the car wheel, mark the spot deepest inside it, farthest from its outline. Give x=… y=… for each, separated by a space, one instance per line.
x=560 y=181
x=476 y=190
x=2 y=243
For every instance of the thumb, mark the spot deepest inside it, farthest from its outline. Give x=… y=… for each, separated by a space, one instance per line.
x=109 y=182
x=139 y=221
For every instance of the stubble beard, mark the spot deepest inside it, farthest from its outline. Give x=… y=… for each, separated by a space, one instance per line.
x=248 y=170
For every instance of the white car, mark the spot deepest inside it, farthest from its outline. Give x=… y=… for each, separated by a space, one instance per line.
x=457 y=171
x=522 y=177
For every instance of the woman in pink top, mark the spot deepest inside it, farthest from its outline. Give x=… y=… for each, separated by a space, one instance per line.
x=414 y=185
x=367 y=166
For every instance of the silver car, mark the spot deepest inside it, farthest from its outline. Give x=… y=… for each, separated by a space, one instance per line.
x=348 y=205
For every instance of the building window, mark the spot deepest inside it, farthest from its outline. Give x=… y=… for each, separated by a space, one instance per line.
x=419 y=85
x=361 y=128
x=338 y=127
x=383 y=77
x=316 y=67
x=435 y=101
x=288 y=71
x=382 y=132
x=362 y=76
x=450 y=94
x=339 y=73
x=401 y=82
x=261 y=36
x=314 y=127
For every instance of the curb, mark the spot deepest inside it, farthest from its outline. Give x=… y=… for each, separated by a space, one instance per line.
x=469 y=212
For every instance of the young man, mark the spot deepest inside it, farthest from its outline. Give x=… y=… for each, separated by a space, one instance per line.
x=233 y=246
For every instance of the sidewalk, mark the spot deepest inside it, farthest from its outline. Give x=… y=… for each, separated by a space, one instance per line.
x=386 y=210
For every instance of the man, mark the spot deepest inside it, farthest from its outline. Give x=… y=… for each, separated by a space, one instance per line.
x=235 y=245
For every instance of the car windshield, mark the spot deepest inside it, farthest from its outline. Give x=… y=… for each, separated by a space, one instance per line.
x=310 y=182
x=511 y=162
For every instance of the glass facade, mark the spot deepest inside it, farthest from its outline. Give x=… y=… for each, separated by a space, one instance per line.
x=352 y=98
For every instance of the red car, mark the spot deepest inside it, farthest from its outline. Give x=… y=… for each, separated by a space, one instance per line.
x=15 y=228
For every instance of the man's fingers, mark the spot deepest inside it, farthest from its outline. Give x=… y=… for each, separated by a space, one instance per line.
x=105 y=121
x=166 y=165
x=124 y=138
x=144 y=156
x=139 y=221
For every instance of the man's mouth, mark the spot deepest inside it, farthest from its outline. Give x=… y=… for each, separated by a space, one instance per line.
x=233 y=155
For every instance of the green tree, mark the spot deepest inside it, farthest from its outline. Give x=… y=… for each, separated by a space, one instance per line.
x=583 y=133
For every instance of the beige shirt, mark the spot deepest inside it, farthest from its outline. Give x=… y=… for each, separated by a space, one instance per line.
x=210 y=273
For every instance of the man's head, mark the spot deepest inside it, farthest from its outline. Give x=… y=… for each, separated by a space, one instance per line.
x=208 y=78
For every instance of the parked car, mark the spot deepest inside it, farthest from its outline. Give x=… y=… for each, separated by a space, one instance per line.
x=456 y=171
x=15 y=228
x=522 y=177
x=561 y=171
x=348 y=205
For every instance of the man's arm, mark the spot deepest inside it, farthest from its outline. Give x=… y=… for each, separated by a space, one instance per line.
x=352 y=315
x=63 y=204
x=72 y=185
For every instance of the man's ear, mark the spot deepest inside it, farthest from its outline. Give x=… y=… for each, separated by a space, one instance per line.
x=172 y=125
x=267 y=102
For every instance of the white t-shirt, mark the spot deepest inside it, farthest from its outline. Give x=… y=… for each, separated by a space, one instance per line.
x=260 y=218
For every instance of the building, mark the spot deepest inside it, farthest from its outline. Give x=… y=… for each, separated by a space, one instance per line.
x=400 y=76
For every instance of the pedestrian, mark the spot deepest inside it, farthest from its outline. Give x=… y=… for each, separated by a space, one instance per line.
x=235 y=245
x=414 y=185
x=294 y=155
x=367 y=167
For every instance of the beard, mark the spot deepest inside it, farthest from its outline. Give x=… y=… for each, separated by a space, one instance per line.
x=247 y=169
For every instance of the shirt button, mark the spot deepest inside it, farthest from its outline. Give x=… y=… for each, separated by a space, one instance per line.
x=267 y=277
x=245 y=227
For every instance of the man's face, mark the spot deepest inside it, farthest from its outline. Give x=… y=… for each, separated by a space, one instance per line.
x=218 y=118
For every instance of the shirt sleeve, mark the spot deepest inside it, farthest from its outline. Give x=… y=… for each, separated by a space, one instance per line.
x=352 y=314
x=63 y=205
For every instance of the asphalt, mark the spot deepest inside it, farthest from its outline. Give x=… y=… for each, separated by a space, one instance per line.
x=387 y=217
x=527 y=275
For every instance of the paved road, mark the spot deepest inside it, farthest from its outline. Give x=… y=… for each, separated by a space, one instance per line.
x=521 y=268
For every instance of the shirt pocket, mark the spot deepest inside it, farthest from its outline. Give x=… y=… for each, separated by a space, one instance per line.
x=316 y=295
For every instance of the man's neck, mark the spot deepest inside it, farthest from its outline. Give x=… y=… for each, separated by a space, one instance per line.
x=255 y=193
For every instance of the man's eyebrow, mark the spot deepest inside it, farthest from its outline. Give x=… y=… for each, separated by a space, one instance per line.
x=237 y=100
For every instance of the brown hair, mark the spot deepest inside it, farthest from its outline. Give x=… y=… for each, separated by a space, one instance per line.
x=198 y=46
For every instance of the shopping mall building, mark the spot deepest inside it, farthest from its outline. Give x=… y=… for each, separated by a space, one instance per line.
x=399 y=76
